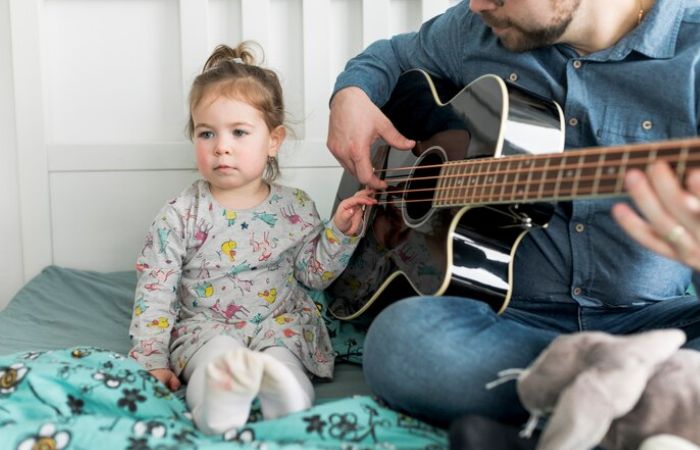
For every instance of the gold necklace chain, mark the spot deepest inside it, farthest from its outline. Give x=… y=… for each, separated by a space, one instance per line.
x=640 y=16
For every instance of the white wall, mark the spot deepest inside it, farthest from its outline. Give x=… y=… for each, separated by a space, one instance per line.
x=11 y=273
x=94 y=106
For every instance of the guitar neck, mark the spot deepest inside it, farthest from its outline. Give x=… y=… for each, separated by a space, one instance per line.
x=586 y=173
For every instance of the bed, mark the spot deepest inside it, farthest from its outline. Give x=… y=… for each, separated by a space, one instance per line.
x=66 y=383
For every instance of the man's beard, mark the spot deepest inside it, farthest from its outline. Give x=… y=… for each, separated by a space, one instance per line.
x=520 y=40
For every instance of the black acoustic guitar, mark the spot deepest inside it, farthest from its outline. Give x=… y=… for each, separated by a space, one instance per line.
x=487 y=167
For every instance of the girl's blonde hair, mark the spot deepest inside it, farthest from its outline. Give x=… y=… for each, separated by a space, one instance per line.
x=233 y=72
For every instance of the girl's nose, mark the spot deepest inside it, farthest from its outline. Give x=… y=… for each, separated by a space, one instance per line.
x=223 y=147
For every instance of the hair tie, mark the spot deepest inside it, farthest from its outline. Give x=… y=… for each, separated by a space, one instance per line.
x=238 y=60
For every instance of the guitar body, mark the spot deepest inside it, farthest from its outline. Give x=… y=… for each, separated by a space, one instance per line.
x=414 y=246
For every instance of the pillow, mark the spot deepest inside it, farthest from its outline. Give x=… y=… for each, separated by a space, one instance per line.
x=62 y=308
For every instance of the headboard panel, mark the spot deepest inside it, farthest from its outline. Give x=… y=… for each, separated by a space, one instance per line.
x=100 y=91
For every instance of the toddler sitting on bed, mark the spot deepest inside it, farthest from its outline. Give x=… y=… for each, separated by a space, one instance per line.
x=218 y=301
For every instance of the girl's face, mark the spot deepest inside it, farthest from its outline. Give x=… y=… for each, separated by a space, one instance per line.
x=233 y=143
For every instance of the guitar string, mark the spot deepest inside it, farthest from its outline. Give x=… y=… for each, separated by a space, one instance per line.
x=524 y=185
x=556 y=168
x=687 y=145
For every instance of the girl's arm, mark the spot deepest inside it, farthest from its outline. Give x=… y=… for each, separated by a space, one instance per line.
x=156 y=304
x=328 y=247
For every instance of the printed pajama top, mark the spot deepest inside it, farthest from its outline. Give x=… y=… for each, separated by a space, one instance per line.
x=206 y=270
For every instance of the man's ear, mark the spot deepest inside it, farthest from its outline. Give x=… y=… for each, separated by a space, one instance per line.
x=276 y=138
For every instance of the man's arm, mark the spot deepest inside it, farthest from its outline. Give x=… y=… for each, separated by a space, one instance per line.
x=368 y=80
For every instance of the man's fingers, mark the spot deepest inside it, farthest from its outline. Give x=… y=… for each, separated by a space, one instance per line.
x=365 y=172
x=392 y=136
x=640 y=230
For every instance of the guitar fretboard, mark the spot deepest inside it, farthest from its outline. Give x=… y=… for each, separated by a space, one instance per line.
x=595 y=172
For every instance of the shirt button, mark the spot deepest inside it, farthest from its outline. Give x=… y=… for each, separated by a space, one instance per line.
x=647 y=125
x=577 y=291
x=580 y=227
x=577 y=64
x=573 y=121
x=513 y=77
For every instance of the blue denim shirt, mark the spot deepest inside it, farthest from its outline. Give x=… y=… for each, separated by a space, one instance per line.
x=651 y=76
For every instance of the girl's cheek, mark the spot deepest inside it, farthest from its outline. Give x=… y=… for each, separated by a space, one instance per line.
x=201 y=157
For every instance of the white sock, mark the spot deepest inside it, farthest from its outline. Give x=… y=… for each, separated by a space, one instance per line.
x=281 y=392
x=232 y=382
x=667 y=442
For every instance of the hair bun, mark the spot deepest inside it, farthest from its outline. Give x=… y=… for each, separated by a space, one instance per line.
x=242 y=54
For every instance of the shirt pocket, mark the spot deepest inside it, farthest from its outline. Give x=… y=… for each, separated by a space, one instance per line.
x=621 y=125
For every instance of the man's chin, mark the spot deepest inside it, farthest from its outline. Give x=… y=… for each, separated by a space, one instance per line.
x=515 y=42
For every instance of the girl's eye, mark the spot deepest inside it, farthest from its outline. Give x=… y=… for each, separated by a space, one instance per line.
x=238 y=132
x=206 y=135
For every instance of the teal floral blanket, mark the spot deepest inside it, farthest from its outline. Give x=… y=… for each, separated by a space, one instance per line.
x=85 y=398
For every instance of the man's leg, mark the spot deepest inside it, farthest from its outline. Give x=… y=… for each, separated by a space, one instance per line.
x=433 y=356
x=682 y=313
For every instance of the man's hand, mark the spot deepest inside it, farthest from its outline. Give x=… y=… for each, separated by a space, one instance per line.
x=167 y=377
x=354 y=124
x=671 y=223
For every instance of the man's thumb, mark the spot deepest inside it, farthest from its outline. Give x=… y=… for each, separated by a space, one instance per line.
x=392 y=137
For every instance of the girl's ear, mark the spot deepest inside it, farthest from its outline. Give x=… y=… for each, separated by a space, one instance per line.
x=276 y=138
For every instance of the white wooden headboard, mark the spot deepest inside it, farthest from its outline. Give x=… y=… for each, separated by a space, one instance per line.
x=96 y=110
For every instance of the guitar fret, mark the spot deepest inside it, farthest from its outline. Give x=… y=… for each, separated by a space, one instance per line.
x=476 y=183
x=461 y=182
x=450 y=191
x=568 y=182
x=506 y=171
x=598 y=172
x=677 y=158
x=514 y=191
x=651 y=157
x=528 y=182
x=457 y=178
x=577 y=176
x=607 y=182
x=557 y=185
x=473 y=180
x=452 y=185
x=586 y=174
x=499 y=180
x=543 y=178
x=490 y=180
x=622 y=169
x=680 y=168
x=439 y=186
x=468 y=195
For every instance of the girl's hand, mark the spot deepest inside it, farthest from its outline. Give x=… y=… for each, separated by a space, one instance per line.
x=671 y=223
x=348 y=217
x=167 y=377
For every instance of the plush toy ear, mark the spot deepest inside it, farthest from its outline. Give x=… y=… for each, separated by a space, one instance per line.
x=581 y=417
x=611 y=385
x=541 y=384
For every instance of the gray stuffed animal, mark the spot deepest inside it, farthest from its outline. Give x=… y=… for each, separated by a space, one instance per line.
x=612 y=391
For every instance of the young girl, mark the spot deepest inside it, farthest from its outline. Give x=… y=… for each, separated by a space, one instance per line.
x=219 y=301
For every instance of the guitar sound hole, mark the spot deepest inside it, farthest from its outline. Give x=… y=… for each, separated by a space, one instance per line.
x=420 y=189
